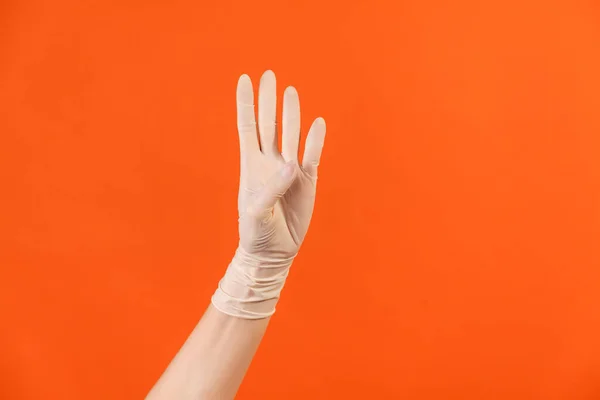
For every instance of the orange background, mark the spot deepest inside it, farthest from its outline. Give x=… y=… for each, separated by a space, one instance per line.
x=454 y=252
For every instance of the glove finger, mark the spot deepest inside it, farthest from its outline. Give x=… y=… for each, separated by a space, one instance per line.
x=246 y=120
x=267 y=114
x=291 y=125
x=314 y=147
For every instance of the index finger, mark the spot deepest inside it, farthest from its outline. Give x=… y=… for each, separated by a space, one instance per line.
x=246 y=119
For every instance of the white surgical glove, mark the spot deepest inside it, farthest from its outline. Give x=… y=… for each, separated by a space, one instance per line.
x=275 y=201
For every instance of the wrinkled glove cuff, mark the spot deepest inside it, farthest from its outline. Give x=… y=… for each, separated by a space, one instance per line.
x=251 y=286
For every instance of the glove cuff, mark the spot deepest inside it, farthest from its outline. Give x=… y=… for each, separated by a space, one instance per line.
x=251 y=286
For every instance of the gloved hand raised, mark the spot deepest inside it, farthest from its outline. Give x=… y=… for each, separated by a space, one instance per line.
x=275 y=201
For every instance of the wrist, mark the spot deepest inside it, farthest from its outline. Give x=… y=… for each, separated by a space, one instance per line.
x=252 y=284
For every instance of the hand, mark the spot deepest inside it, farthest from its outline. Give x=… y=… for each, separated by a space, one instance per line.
x=276 y=198
x=277 y=195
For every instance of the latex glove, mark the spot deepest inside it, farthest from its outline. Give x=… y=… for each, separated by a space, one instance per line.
x=275 y=202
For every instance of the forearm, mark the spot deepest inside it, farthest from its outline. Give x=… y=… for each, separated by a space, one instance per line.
x=214 y=359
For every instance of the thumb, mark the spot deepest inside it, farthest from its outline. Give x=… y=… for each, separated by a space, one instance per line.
x=274 y=188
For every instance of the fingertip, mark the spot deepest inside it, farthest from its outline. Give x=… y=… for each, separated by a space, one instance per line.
x=244 y=83
x=245 y=91
x=290 y=91
x=268 y=74
x=318 y=129
x=268 y=85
